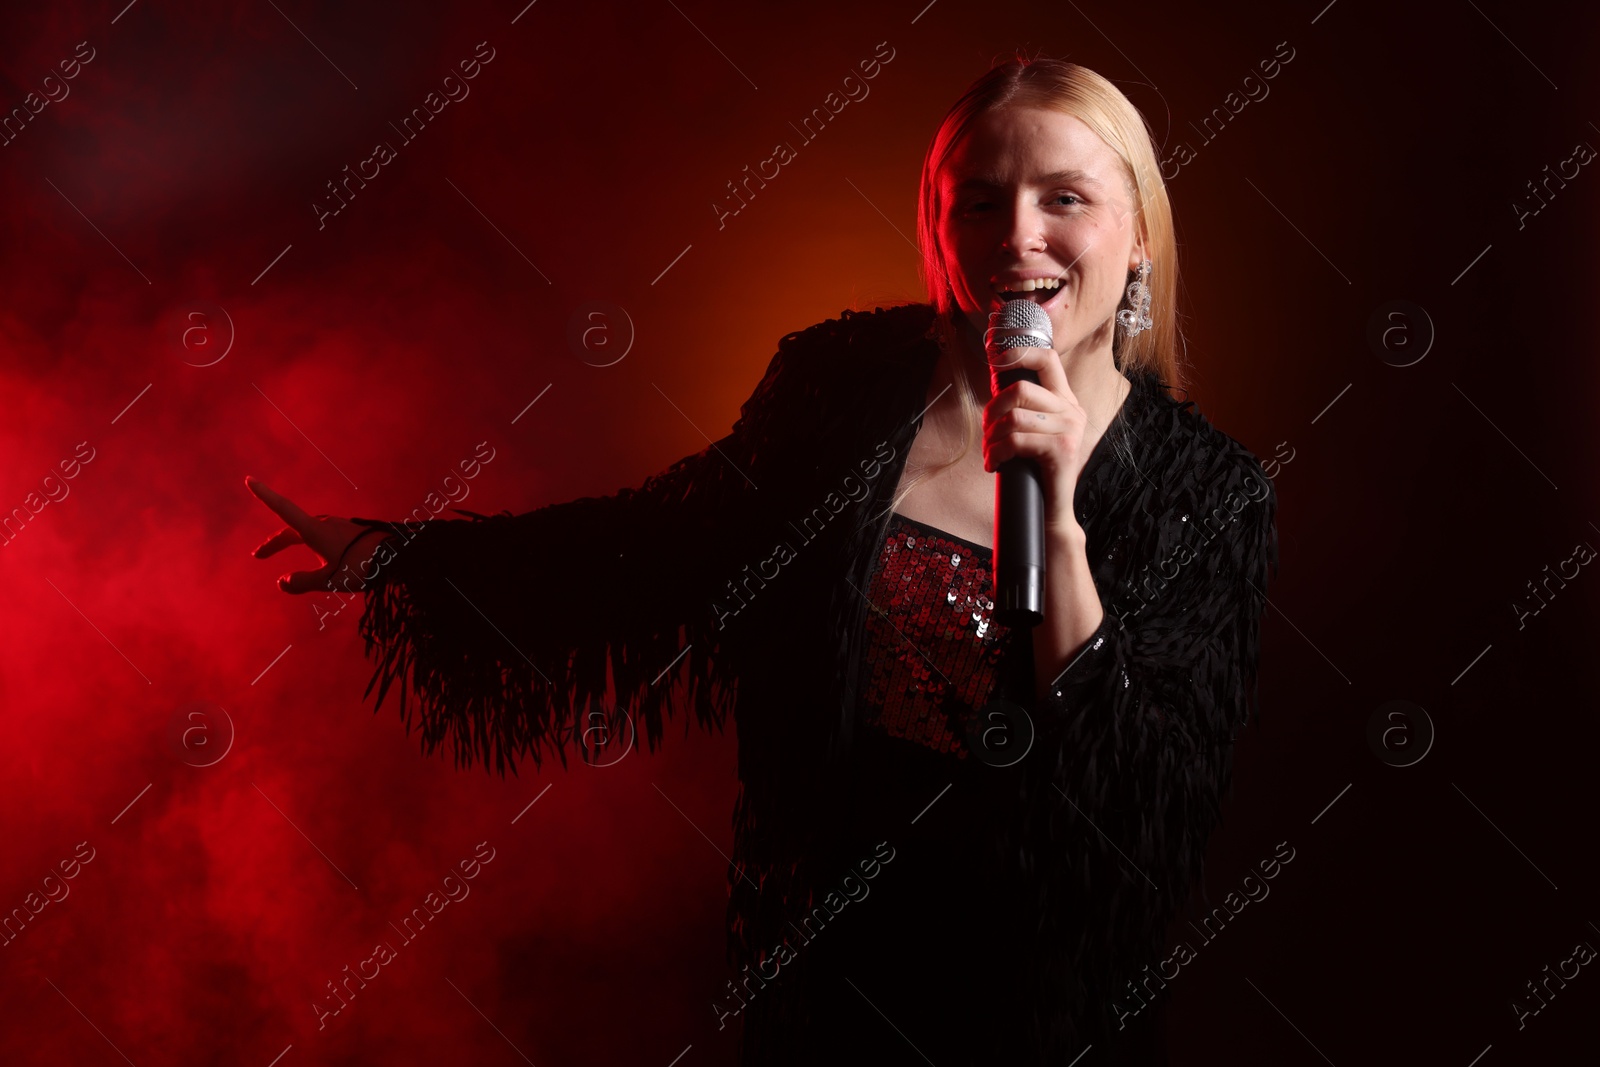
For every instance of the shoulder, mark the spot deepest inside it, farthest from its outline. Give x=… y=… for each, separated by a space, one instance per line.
x=1199 y=482
x=1195 y=453
x=864 y=348
x=809 y=362
x=901 y=325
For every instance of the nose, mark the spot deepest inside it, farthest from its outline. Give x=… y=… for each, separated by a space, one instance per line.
x=1024 y=230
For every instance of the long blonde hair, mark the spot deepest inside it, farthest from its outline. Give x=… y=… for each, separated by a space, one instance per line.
x=1075 y=90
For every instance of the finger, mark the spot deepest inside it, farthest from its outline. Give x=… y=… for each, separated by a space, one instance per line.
x=1044 y=362
x=287 y=510
x=1032 y=437
x=1011 y=358
x=1030 y=395
x=1030 y=420
x=306 y=581
x=996 y=453
x=280 y=540
x=1025 y=422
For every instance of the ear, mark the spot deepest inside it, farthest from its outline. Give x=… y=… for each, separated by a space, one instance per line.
x=1141 y=242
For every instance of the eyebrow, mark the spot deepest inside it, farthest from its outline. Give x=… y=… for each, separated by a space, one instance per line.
x=1058 y=177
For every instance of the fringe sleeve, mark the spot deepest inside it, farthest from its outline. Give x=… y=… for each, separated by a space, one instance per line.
x=1137 y=740
x=503 y=626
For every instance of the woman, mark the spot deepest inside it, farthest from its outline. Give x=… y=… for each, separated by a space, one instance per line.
x=952 y=840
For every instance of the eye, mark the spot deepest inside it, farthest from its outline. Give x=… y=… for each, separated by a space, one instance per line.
x=1066 y=196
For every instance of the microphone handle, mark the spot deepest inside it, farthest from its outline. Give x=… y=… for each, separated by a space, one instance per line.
x=1019 y=532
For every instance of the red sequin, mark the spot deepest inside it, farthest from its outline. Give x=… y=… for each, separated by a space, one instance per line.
x=933 y=647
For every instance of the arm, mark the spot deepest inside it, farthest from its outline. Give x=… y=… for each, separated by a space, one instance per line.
x=1134 y=738
x=504 y=626
x=1074 y=615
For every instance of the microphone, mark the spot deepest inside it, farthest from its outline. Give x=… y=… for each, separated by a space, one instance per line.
x=1019 y=496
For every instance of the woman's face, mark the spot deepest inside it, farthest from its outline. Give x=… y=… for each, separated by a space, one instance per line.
x=1035 y=194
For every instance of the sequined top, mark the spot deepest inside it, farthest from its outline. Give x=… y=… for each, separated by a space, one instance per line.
x=933 y=647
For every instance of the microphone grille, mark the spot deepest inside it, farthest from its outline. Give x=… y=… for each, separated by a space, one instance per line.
x=1021 y=323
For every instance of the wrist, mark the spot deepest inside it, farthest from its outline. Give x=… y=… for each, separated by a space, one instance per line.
x=353 y=569
x=1068 y=534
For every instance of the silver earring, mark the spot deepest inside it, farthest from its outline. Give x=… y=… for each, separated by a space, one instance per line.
x=1135 y=318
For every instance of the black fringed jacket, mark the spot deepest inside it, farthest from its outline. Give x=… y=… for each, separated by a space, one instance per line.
x=729 y=582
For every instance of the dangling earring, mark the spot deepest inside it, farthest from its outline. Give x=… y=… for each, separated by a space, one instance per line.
x=1135 y=318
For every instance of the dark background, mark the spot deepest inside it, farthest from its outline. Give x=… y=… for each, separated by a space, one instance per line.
x=371 y=355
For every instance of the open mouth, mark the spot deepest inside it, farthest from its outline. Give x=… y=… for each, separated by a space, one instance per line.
x=1043 y=291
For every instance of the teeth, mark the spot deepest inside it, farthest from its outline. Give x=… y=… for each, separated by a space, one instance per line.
x=1030 y=285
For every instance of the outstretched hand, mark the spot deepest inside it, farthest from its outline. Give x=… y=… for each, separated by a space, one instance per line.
x=327 y=535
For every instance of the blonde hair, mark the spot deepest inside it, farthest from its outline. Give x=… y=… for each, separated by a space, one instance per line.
x=1072 y=89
